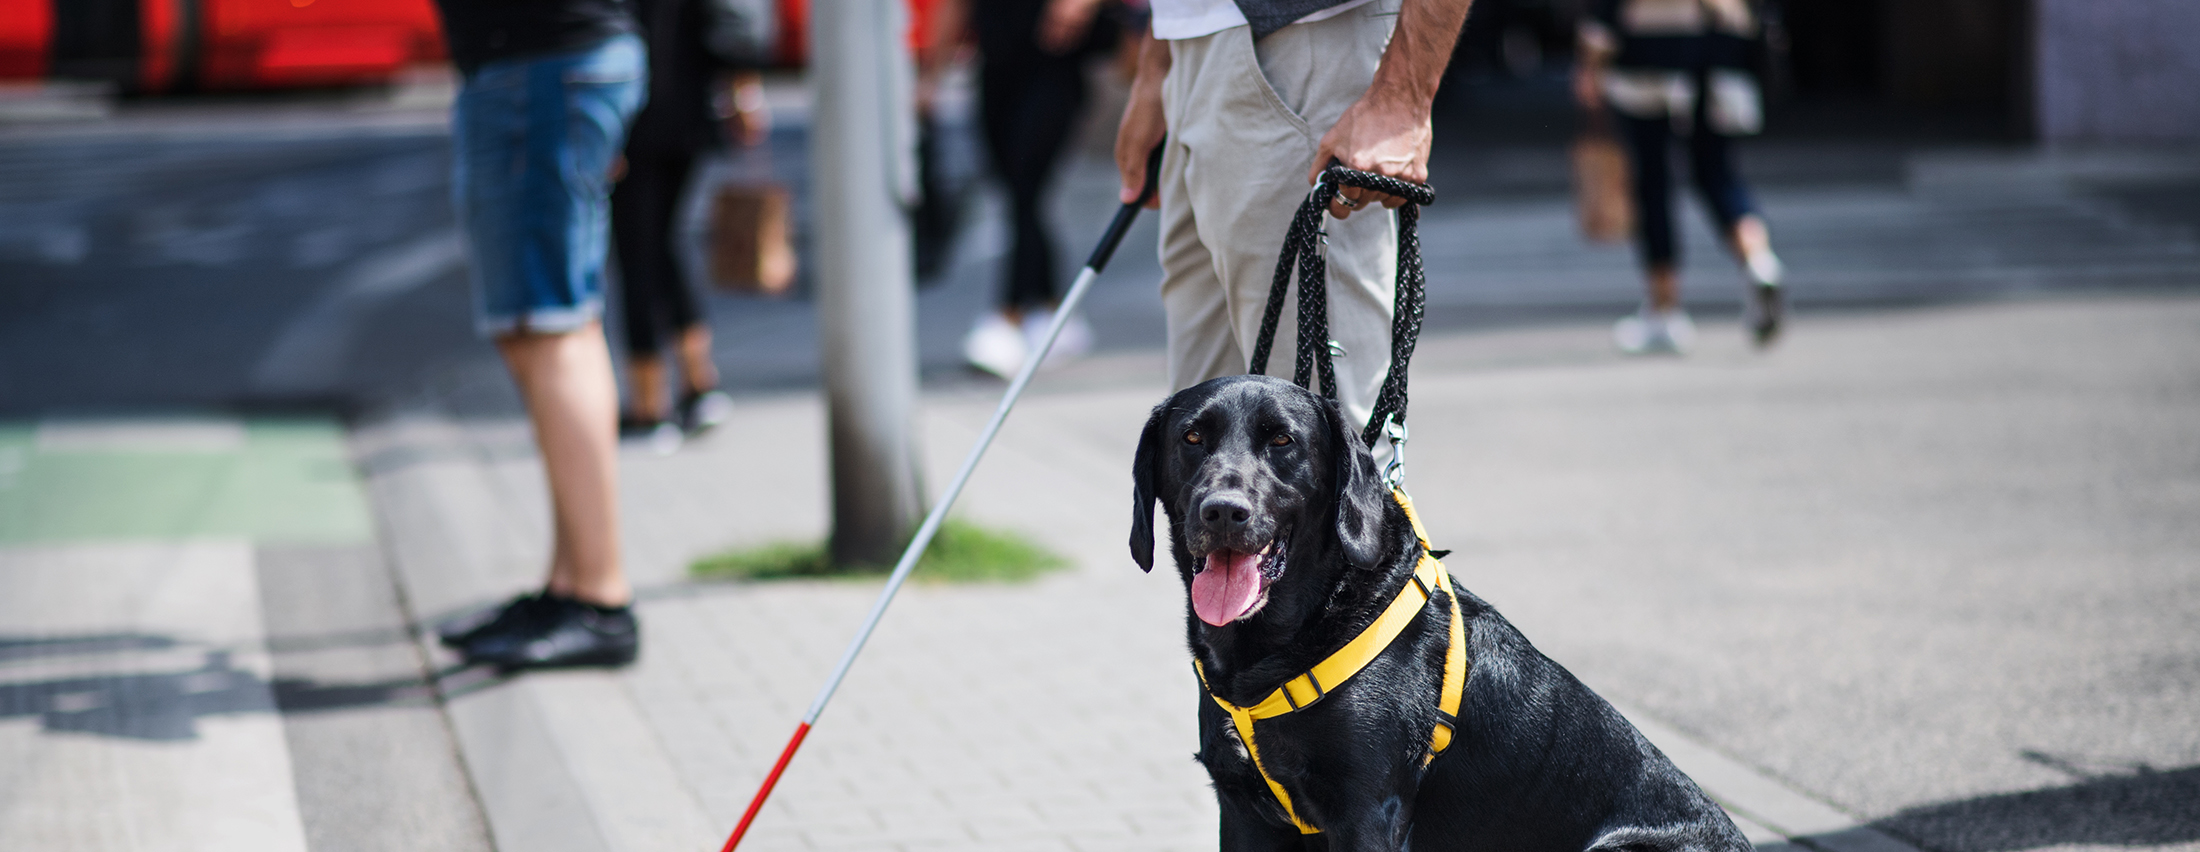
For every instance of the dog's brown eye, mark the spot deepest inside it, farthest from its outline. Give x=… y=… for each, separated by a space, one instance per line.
x=1191 y=437
x=1280 y=440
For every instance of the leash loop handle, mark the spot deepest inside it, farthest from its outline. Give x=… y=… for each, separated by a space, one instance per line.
x=1302 y=252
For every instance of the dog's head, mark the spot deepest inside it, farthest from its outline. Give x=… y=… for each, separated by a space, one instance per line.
x=1249 y=470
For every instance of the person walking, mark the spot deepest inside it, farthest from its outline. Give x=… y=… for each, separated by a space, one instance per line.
x=1255 y=98
x=676 y=128
x=1680 y=68
x=1031 y=89
x=548 y=87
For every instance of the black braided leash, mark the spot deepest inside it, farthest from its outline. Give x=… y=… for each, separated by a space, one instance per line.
x=1302 y=249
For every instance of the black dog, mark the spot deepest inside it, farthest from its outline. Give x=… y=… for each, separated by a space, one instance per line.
x=1290 y=545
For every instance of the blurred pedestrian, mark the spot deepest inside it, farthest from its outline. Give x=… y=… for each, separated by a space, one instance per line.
x=1681 y=69
x=548 y=87
x=698 y=49
x=1031 y=90
x=1256 y=97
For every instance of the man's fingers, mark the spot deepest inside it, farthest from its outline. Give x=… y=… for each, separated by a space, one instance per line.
x=1350 y=198
x=1132 y=168
x=1346 y=201
x=1130 y=163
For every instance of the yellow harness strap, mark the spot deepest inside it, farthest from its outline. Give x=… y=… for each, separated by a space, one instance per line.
x=1302 y=691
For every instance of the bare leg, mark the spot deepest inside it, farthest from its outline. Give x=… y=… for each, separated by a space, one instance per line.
x=1664 y=282
x=696 y=367
x=1751 y=243
x=648 y=378
x=1749 y=236
x=573 y=402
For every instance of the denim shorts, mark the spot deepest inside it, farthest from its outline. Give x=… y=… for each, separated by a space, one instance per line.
x=534 y=139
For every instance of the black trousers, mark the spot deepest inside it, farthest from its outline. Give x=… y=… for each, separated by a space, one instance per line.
x=1710 y=163
x=656 y=301
x=1029 y=102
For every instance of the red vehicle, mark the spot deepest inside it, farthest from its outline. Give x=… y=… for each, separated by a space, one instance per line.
x=150 y=46
x=154 y=46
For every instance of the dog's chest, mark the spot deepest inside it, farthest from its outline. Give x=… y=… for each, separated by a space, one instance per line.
x=1359 y=737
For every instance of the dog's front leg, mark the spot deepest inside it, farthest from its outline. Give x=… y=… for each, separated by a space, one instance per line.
x=1379 y=827
x=1245 y=830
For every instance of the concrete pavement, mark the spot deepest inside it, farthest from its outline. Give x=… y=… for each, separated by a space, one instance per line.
x=201 y=647
x=1919 y=577
x=1913 y=579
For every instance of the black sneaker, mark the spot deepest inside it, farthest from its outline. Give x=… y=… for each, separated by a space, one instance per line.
x=462 y=630
x=1763 y=314
x=701 y=410
x=569 y=633
x=659 y=436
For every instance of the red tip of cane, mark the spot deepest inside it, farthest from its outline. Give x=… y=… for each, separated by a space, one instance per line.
x=764 y=792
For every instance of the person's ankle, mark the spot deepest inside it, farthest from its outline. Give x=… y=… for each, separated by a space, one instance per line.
x=605 y=600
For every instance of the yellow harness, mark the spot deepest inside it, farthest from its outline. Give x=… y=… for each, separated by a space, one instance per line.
x=1301 y=692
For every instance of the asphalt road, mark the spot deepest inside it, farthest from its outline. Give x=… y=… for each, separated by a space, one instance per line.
x=301 y=253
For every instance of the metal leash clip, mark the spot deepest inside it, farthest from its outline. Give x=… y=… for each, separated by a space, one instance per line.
x=1394 y=470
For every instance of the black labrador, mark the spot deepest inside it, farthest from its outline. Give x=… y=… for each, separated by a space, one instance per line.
x=1289 y=545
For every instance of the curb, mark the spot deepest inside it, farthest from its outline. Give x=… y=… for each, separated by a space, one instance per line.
x=559 y=761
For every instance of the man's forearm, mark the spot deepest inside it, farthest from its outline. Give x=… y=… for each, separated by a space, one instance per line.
x=1153 y=57
x=1143 y=124
x=1387 y=131
x=1420 y=48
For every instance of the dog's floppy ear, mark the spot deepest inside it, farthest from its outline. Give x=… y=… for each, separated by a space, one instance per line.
x=1144 y=478
x=1360 y=493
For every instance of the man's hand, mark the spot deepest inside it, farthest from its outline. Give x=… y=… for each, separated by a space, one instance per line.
x=1143 y=123
x=1387 y=130
x=1383 y=134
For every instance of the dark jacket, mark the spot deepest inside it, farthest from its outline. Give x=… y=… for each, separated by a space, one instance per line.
x=690 y=43
x=484 y=31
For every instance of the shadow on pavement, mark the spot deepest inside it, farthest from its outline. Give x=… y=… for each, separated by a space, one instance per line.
x=166 y=706
x=24 y=648
x=2143 y=807
x=152 y=706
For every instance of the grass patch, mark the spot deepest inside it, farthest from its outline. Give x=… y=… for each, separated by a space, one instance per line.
x=962 y=552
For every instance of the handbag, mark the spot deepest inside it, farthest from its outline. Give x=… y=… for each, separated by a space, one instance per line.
x=1601 y=186
x=751 y=246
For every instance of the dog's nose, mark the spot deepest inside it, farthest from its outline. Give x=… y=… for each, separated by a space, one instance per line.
x=1225 y=512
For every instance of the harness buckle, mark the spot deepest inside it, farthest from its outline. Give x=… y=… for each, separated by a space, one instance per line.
x=1394 y=470
x=1293 y=700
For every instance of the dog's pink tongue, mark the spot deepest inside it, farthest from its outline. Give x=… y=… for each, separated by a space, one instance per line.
x=1228 y=588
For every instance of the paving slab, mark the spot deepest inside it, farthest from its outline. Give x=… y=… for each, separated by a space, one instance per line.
x=201 y=647
x=1867 y=586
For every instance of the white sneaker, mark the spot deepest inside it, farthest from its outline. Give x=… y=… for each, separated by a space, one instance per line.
x=1680 y=331
x=1075 y=341
x=995 y=346
x=1650 y=331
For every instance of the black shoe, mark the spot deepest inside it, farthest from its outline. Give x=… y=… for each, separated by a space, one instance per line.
x=700 y=410
x=461 y=631
x=1764 y=313
x=568 y=633
x=659 y=436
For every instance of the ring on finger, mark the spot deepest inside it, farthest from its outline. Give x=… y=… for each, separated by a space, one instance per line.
x=1347 y=202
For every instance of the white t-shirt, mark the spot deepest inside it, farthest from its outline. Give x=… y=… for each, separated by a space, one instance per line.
x=1174 y=19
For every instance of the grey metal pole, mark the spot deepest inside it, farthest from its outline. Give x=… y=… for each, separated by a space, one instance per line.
x=863 y=166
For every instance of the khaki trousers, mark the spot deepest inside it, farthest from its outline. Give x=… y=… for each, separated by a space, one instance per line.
x=1244 y=120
